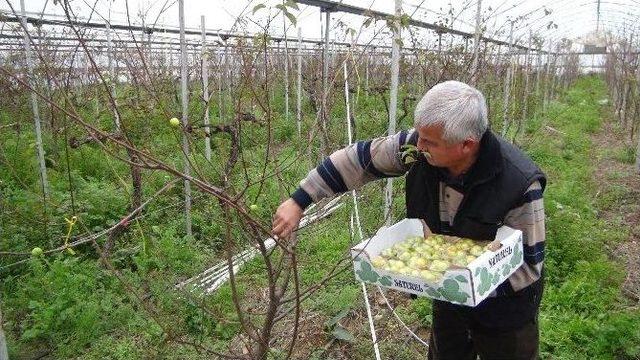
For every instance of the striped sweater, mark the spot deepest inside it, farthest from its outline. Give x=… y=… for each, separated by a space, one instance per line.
x=365 y=161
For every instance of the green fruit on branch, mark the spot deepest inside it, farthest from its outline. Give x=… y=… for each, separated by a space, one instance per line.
x=37 y=251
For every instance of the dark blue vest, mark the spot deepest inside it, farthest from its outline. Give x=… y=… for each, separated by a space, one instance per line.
x=493 y=186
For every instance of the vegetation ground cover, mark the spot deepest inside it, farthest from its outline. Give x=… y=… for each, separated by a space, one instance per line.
x=66 y=306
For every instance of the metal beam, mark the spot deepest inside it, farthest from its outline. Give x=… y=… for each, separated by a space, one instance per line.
x=332 y=6
x=225 y=35
x=149 y=30
x=4 y=17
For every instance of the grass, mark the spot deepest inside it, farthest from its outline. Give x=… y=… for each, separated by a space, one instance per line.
x=583 y=313
x=92 y=316
x=626 y=154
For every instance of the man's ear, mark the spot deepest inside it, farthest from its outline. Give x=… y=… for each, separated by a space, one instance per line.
x=469 y=145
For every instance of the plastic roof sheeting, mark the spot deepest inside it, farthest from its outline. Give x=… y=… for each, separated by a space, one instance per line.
x=580 y=21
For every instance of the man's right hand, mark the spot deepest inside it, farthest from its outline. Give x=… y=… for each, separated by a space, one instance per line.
x=286 y=218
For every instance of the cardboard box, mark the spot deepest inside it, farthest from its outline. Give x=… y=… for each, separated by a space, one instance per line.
x=467 y=286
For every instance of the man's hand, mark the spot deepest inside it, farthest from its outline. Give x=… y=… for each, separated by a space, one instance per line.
x=286 y=218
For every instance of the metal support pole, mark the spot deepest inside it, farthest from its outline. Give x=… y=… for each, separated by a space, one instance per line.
x=439 y=64
x=546 y=80
x=554 y=77
x=165 y=54
x=286 y=72
x=299 y=90
x=220 y=80
x=171 y=58
x=325 y=70
x=507 y=84
x=421 y=60
x=228 y=72
x=374 y=337
x=325 y=50
x=546 y=89
x=366 y=72
x=3 y=213
x=149 y=53
x=274 y=66
x=194 y=61
x=638 y=131
x=625 y=81
x=112 y=74
x=185 y=117
x=538 y=71
x=4 y=354
x=526 y=89
x=476 y=46
x=34 y=105
x=205 y=90
x=393 y=101
x=347 y=103
x=638 y=154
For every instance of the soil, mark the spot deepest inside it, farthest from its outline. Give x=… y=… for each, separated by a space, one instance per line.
x=611 y=173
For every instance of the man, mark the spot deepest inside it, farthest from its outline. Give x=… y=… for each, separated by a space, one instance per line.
x=469 y=183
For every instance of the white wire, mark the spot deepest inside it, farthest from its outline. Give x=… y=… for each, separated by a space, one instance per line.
x=382 y=293
x=356 y=215
x=214 y=277
x=372 y=327
x=400 y=320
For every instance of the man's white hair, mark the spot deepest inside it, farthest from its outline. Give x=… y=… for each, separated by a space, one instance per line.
x=460 y=109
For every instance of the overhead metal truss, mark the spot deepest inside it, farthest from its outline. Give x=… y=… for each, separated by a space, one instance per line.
x=332 y=6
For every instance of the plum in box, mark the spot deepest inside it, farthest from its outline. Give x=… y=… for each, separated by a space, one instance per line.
x=461 y=285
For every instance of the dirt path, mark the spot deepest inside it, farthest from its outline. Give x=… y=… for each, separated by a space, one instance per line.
x=619 y=190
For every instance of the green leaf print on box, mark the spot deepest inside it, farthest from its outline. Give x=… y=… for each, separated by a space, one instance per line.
x=485 y=280
x=450 y=290
x=496 y=278
x=506 y=269
x=431 y=291
x=517 y=257
x=385 y=280
x=366 y=274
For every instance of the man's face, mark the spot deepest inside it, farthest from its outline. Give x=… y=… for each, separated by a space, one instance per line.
x=442 y=154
